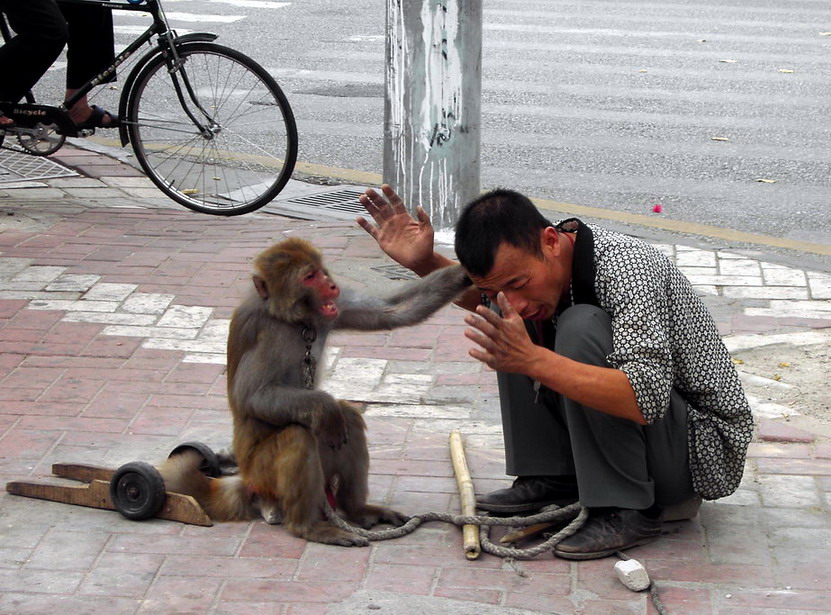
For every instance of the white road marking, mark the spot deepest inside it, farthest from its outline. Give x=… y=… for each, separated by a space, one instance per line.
x=249 y=4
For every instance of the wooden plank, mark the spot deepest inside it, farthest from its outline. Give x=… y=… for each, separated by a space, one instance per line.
x=184 y=509
x=82 y=472
x=96 y=494
x=526 y=532
x=93 y=495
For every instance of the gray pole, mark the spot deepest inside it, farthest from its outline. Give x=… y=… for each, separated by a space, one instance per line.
x=432 y=107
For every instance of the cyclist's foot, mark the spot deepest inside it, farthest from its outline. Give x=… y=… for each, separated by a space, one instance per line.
x=94 y=117
x=5 y=122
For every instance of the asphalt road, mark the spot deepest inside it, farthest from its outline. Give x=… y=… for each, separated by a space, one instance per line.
x=611 y=104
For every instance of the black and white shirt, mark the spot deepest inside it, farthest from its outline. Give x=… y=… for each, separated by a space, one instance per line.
x=665 y=338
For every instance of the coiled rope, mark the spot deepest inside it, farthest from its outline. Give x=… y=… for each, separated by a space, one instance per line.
x=573 y=512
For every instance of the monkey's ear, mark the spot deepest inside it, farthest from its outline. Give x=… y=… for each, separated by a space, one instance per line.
x=259 y=284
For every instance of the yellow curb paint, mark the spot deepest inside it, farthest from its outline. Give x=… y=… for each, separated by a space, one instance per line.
x=655 y=221
x=681 y=226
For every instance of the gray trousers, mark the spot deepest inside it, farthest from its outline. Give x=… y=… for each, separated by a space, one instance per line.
x=617 y=462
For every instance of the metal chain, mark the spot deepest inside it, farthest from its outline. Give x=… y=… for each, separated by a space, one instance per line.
x=309 y=364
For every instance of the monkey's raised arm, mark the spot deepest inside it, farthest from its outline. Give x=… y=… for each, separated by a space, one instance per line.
x=411 y=305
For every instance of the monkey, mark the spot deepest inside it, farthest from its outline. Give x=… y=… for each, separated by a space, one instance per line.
x=294 y=443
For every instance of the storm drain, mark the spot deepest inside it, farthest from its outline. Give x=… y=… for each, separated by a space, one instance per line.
x=395 y=272
x=339 y=204
x=17 y=166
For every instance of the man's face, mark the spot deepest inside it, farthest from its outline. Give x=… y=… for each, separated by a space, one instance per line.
x=533 y=285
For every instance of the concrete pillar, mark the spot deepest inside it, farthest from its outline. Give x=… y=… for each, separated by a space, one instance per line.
x=432 y=107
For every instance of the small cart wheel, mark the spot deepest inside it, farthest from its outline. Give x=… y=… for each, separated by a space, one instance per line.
x=137 y=490
x=210 y=466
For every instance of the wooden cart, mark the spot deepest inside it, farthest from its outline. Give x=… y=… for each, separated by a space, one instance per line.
x=136 y=490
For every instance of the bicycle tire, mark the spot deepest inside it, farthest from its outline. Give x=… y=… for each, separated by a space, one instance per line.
x=251 y=151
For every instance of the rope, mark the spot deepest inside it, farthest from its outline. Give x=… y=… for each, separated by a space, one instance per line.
x=484 y=522
x=575 y=512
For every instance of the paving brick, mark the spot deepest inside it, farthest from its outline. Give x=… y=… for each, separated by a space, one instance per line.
x=62 y=550
x=122 y=574
x=193 y=594
x=726 y=575
x=778 y=600
x=226 y=607
x=779 y=450
x=204 y=544
x=268 y=541
x=39 y=581
x=27 y=444
x=35 y=604
x=288 y=591
x=479 y=595
x=805 y=467
x=389 y=552
x=502 y=580
x=10 y=307
x=772 y=431
x=402 y=579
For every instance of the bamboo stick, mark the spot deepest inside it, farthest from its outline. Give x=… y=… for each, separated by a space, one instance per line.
x=470 y=533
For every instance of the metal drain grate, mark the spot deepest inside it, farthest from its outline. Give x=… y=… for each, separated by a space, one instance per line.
x=395 y=272
x=341 y=204
x=17 y=166
x=341 y=200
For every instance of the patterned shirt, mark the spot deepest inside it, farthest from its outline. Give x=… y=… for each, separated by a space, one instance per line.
x=664 y=338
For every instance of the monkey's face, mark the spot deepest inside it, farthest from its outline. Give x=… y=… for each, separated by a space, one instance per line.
x=324 y=291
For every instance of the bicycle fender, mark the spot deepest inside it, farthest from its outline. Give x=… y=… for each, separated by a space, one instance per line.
x=196 y=36
x=191 y=37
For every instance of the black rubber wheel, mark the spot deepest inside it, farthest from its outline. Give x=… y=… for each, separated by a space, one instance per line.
x=210 y=467
x=137 y=490
x=243 y=151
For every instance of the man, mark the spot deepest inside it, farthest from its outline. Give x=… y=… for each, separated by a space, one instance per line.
x=42 y=29
x=615 y=386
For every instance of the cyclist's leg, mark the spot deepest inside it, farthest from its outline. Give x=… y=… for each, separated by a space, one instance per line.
x=90 y=51
x=91 y=42
x=40 y=36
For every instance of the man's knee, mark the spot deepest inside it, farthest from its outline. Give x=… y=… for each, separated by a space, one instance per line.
x=584 y=333
x=54 y=35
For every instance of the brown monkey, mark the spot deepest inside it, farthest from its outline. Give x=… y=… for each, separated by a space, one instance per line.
x=295 y=444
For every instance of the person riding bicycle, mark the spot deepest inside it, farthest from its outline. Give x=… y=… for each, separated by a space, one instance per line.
x=42 y=29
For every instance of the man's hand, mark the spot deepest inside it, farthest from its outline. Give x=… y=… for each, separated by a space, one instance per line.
x=406 y=240
x=504 y=341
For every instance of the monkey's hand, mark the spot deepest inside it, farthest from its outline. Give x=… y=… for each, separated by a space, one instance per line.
x=329 y=426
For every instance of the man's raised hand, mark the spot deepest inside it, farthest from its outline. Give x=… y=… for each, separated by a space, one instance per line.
x=403 y=238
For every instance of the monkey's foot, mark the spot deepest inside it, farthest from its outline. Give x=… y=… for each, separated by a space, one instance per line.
x=331 y=535
x=271 y=513
x=373 y=515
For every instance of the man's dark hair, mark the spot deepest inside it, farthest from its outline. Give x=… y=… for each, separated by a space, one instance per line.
x=495 y=217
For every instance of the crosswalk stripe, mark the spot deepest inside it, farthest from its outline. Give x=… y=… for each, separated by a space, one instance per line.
x=249 y=4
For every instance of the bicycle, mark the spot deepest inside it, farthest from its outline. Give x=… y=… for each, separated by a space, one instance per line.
x=227 y=148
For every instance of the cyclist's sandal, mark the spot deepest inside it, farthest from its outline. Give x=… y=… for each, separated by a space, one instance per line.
x=96 y=119
x=5 y=121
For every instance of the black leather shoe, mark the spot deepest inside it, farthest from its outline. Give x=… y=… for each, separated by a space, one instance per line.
x=530 y=493
x=608 y=530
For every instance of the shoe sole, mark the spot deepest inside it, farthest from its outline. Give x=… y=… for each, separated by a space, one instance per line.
x=511 y=509
x=600 y=554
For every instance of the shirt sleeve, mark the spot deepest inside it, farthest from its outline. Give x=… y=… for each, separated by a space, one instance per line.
x=633 y=289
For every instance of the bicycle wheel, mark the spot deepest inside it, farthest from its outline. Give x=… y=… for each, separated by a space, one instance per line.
x=248 y=151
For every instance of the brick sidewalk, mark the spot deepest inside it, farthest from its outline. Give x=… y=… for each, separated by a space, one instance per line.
x=112 y=334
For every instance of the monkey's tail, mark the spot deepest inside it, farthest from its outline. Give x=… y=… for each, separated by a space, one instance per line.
x=223 y=499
